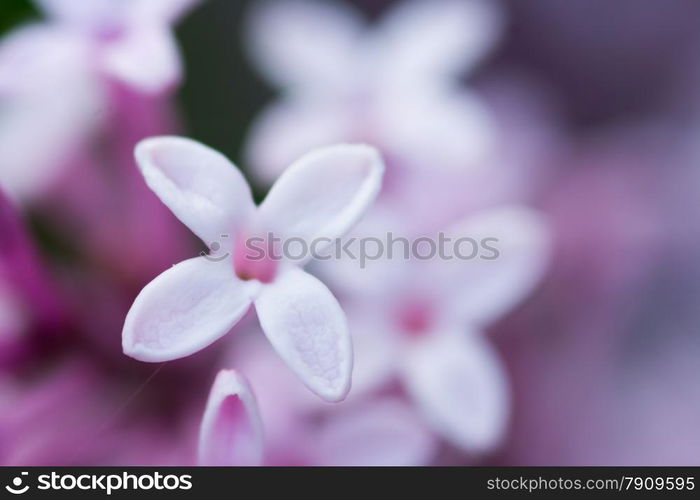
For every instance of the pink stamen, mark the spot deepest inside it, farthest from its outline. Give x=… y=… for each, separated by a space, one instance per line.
x=253 y=259
x=415 y=316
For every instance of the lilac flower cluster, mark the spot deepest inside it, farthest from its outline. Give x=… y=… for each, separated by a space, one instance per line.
x=115 y=331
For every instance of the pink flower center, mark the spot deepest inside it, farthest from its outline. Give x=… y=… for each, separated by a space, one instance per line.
x=108 y=32
x=415 y=316
x=253 y=259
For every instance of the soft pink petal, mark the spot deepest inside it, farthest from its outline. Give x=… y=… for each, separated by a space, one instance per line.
x=483 y=289
x=185 y=309
x=324 y=193
x=309 y=43
x=424 y=39
x=459 y=385
x=231 y=430
x=308 y=329
x=375 y=433
x=201 y=186
x=145 y=58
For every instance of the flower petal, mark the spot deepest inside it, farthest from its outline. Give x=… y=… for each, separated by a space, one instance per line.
x=460 y=386
x=375 y=433
x=312 y=44
x=437 y=38
x=323 y=194
x=436 y=127
x=84 y=15
x=375 y=347
x=201 y=187
x=30 y=114
x=184 y=310
x=289 y=128
x=231 y=430
x=145 y=58
x=306 y=326
x=484 y=288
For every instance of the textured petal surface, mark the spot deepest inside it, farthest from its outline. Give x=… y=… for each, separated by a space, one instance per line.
x=308 y=329
x=324 y=193
x=231 y=431
x=483 y=289
x=185 y=309
x=377 y=433
x=201 y=187
x=308 y=43
x=460 y=386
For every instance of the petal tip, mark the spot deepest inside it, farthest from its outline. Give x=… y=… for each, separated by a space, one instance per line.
x=335 y=394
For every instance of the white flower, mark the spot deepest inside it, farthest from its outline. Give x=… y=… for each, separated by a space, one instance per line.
x=197 y=301
x=47 y=97
x=55 y=76
x=130 y=40
x=421 y=321
x=395 y=86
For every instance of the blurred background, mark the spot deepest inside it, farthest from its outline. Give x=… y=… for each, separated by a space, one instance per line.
x=586 y=111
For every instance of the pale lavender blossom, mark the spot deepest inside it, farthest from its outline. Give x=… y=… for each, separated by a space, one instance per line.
x=422 y=321
x=321 y=195
x=394 y=86
x=130 y=41
x=82 y=49
x=33 y=113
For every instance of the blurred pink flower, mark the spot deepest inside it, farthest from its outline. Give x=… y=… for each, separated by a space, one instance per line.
x=30 y=305
x=302 y=430
x=421 y=320
x=69 y=415
x=394 y=86
x=194 y=303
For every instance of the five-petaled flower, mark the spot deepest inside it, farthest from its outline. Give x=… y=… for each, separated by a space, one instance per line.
x=428 y=331
x=321 y=195
x=394 y=84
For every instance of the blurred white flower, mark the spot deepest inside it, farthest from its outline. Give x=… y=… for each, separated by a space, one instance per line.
x=395 y=86
x=321 y=195
x=231 y=432
x=421 y=320
x=55 y=75
x=129 y=40
x=49 y=104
